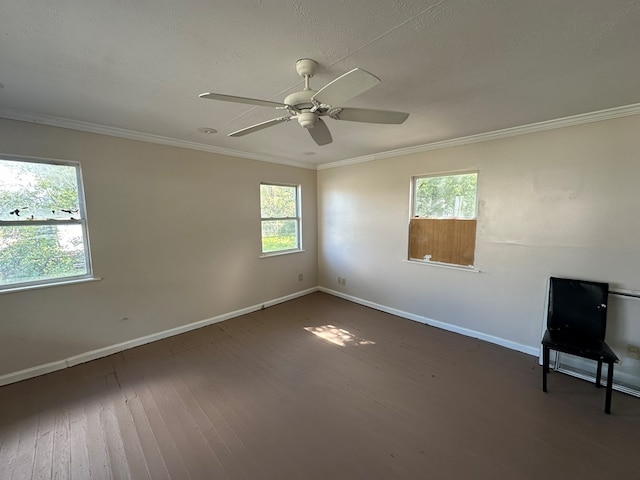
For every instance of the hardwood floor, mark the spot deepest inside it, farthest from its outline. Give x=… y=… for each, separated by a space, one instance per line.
x=261 y=397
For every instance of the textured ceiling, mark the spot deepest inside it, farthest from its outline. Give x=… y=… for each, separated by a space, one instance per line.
x=458 y=67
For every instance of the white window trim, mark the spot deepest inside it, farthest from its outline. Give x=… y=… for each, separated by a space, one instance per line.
x=82 y=221
x=281 y=252
x=298 y=219
x=449 y=266
x=34 y=286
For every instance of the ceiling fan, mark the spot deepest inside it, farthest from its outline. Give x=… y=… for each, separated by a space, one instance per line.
x=307 y=106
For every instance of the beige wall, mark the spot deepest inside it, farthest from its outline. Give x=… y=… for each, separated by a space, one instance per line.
x=175 y=237
x=563 y=202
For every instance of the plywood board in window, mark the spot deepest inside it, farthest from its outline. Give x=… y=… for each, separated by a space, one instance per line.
x=444 y=240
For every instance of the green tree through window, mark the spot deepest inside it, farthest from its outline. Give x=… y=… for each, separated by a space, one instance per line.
x=42 y=225
x=280 y=217
x=448 y=196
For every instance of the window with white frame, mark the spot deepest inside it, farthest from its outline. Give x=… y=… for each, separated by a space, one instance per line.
x=443 y=221
x=43 y=230
x=280 y=218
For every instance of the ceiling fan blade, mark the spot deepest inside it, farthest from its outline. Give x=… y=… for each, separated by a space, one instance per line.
x=258 y=126
x=250 y=101
x=371 y=116
x=320 y=133
x=345 y=87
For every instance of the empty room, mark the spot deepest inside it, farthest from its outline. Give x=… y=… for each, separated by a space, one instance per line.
x=319 y=240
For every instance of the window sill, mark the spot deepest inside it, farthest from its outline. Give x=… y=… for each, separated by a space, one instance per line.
x=277 y=254
x=48 y=284
x=449 y=266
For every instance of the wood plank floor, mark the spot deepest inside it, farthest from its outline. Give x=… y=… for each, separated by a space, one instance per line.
x=277 y=394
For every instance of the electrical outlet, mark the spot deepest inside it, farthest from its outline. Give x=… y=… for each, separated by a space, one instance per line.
x=344 y=281
x=339 y=280
x=300 y=277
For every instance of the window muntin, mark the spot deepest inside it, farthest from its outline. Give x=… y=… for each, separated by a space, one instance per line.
x=43 y=233
x=442 y=228
x=280 y=218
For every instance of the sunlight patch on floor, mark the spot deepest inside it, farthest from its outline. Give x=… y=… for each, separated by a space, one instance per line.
x=338 y=336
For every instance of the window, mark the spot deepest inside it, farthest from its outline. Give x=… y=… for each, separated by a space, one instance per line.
x=43 y=231
x=443 y=224
x=280 y=218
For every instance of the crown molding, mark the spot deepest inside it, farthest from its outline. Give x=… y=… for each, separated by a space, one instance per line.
x=50 y=120
x=608 y=114
x=54 y=121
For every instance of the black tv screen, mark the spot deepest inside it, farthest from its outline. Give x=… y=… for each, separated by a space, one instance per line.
x=578 y=306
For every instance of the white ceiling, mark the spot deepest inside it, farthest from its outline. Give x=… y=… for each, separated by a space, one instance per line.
x=459 y=67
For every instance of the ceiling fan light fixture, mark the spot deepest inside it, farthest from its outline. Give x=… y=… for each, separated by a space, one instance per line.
x=307 y=119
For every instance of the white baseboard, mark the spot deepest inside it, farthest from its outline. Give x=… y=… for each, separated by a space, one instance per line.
x=529 y=350
x=111 y=349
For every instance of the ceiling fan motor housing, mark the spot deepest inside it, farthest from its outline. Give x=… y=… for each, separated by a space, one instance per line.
x=300 y=100
x=302 y=104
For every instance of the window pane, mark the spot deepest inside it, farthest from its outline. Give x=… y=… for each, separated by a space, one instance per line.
x=31 y=253
x=38 y=191
x=279 y=235
x=278 y=201
x=449 y=196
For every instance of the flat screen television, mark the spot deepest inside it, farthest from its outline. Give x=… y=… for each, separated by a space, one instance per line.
x=578 y=307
